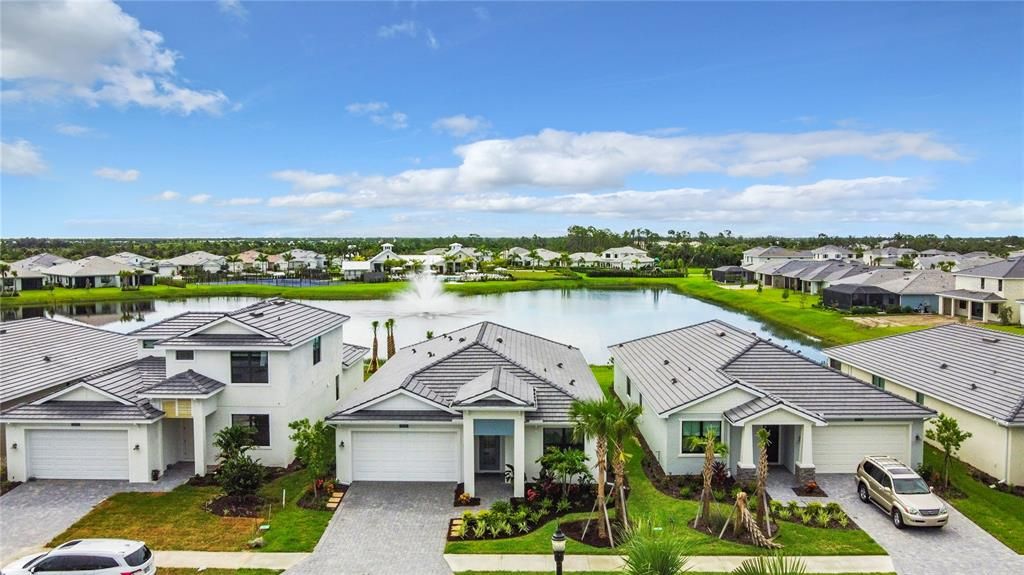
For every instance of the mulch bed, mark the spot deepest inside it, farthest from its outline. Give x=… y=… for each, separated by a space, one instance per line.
x=309 y=500
x=459 y=501
x=744 y=537
x=952 y=492
x=810 y=490
x=670 y=485
x=574 y=530
x=6 y=486
x=229 y=506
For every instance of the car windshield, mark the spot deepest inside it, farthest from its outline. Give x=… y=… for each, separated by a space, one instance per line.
x=140 y=556
x=910 y=486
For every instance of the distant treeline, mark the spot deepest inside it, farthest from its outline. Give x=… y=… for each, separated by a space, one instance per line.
x=713 y=250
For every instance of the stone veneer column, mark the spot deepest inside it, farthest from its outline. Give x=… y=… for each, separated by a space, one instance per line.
x=745 y=468
x=805 y=466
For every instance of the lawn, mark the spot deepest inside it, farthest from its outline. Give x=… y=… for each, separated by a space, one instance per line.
x=674 y=514
x=1001 y=514
x=595 y=573
x=176 y=520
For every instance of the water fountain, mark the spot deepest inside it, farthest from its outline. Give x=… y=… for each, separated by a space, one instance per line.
x=426 y=297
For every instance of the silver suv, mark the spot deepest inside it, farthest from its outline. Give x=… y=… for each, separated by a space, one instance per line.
x=900 y=492
x=88 y=557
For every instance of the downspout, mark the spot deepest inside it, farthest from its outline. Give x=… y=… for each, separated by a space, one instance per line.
x=1006 y=462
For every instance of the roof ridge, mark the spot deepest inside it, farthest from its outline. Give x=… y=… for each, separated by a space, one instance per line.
x=673 y=330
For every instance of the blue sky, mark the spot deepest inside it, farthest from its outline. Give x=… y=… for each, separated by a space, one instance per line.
x=394 y=119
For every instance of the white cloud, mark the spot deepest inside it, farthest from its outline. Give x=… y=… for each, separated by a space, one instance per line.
x=461 y=125
x=336 y=216
x=241 y=202
x=432 y=40
x=199 y=198
x=21 y=158
x=233 y=8
x=405 y=28
x=72 y=129
x=117 y=175
x=167 y=196
x=306 y=180
x=95 y=52
x=380 y=114
x=310 y=200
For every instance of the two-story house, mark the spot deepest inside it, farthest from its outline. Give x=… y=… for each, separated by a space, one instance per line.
x=832 y=253
x=262 y=366
x=982 y=292
x=757 y=256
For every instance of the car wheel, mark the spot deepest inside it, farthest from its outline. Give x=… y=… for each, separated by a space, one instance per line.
x=862 y=492
x=897 y=518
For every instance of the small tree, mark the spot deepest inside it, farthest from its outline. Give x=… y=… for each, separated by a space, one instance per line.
x=374 y=357
x=760 y=286
x=763 y=441
x=785 y=294
x=389 y=325
x=1005 y=314
x=314 y=447
x=651 y=551
x=234 y=440
x=947 y=433
x=240 y=476
x=565 y=464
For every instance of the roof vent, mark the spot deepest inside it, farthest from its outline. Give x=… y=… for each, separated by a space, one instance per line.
x=414 y=350
x=499 y=340
x=462 y=339
x=721 y=334
x=974 y=386
x=943 y=365
x=799 y=351
x=559 y=364
x=674 y=381
x=3 y=331
x=572 y=382
x=256 y=314
x=46 y=358
x=430 y=354
x=990 y=339
x=666 y=362
x=279 y=302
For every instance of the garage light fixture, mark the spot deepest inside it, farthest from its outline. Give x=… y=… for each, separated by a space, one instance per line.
x=341 y=443
x=14 y=446
x=136 y=448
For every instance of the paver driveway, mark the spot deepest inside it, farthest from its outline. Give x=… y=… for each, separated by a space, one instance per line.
x=37 y=511
x=385 y=528
x=959 y=548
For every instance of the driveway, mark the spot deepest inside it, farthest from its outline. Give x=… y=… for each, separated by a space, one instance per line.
x=37 y=511
x=959 y=548
x=385 y=528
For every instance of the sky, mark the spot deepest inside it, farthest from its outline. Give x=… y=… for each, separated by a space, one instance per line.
x=218 y=119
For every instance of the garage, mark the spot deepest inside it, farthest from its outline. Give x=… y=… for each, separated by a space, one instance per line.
x=839 y=448
x=77 y=454
x=405 y=456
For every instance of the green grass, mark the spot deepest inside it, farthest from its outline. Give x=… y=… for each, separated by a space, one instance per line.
x=602 y=573
x=674 y=514
x=1001 y=514
x=176 y=520
x=537 y=275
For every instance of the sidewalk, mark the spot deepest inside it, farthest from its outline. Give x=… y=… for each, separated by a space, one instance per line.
x=713 y=563
x=227 y=559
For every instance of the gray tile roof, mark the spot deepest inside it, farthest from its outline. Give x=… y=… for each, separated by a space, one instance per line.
x=392 y=415
x=43 y=260
x=38 y=354
x=82 y=411
x=352 y=354
x=285 y=322
x=675 y=368
x=437 y=368
x=972 y=294
x=760 y=405
x=186 y=383
x=92 y=266
x=924 y=282
x=978 y=369
x=1009 y=269
x=500 y=379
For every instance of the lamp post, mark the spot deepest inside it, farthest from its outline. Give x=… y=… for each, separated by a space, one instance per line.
x=558 y=549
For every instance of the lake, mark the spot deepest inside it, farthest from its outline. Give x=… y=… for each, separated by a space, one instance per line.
x=589 y=319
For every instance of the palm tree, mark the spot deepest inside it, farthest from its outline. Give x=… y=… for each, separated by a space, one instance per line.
x=622 y=425
x=389 y=325
x=712 y=447
x=591 y=418
x=263 y=259
x=232 y=260
x=534 y=258
x=288 y=257
x=763 y=441
x=374 y=359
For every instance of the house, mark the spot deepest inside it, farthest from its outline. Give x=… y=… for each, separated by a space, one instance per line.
x=23 y=277
x=830 y=252
x=848 y=295
x=887 y=257
x=759 y=255
x=952 y=262
x=518 y=256
x=548 y=258
x=192 y=263
x=43 y=260
x=713 y=375
x=355 y=270
x=584 y=259
x=94 y=271
x=970 y=373
x=613 y=257
x=729 y=275
x=133 y=259
x=261 y=366
x=254 y=260
x=811 y=276
x=476 y=400
x=298 y=259
x=919 y=290
x=980 y=293
x=888 y=287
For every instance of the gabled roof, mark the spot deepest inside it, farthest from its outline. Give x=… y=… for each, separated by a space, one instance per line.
x=498 y=382
x=43 y=260
x=127 y=258
x=924 y=282
x=1007 y=269
x=689 y=364
x=186 y=383
x=831 y=249
x=352 y=354
x=436 y=370
x=196 y=258
x=38 y=354
x=92 y=266
x=974 y=368
x=176 y=325
x=765 y=404
x=972 y=295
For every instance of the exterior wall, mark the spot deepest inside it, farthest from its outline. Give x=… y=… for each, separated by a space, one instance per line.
x=651 y=426
x=677 y=463
x=1016 y=446
x=399 y=403
x=986 y=449
x=139 y=462
x=931 y=302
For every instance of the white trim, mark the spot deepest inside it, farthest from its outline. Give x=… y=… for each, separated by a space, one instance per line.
x=799 y=413
x=239 y=323
x=735 y=385
x=398 y=391
x=80 y=385
x=493 y=392
x=80 y=422
x=177 y=351
x=185 y=395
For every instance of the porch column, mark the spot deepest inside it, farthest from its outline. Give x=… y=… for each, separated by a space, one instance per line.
x=199 y=436
x=468 y=455
x=519 y=456
x=805 y=467
x=745 y=468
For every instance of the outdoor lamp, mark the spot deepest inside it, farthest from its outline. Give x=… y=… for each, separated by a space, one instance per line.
x=558 y=548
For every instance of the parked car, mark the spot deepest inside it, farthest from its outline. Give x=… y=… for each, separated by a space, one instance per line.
x=900 y=492
x=88 y=557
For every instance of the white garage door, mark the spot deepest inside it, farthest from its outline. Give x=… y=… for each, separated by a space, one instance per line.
x=405 y=456
x=77 y=454
x=839 y=448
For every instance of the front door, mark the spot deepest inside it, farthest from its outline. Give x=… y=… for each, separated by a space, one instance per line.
x=187 y=440
x=773 y=447
x=488 y=454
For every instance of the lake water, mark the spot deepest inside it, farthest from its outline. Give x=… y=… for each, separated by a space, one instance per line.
x=589 y=319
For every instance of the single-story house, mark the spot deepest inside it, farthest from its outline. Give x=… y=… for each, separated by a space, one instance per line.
x=584 y=259
x=845 y=296
x=973 y=374
x=730 y=275
x=94 y=271
x=713 y=375
x=133 y=259
x=43 y=260
x=354 y=270
x=480 y=399
x=299 y=259
x=919 y=289
x=23 y=277
x=192 y=263
x=760 y=255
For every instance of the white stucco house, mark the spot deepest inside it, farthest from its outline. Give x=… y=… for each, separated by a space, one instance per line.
x=469 y=402
x=757 y=256
x=261 y=366
x=714 y=375
x=971 y=373
x=192 y=262
x=832 y=253
x=981 y=292
x=133 y=259
x=299 y=259
x=94 y=271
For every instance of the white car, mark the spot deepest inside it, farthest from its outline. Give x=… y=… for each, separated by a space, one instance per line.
x=88 y=557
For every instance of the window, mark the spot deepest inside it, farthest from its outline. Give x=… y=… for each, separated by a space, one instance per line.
x=249 y=367
x=999 y=285
x=962 y=304
x=697 y=429
x=560 y=437
x=138 y=557
x=337 y=387
x=919 y=397
x=982 y=283
x=835 y=363
x=640 y=396
x=184 y=355
x=878 y=382
x=260 y=422
x=316 y=350
x=629 y=387
x=993 y=308
x=75 y=563
x=148 y=343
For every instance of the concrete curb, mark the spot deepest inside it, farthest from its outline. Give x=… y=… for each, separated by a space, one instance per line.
x=227 y=559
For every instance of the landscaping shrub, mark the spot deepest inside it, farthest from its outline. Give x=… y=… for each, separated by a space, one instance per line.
x=167 y=281
x=240 y=476
x=864 y=310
